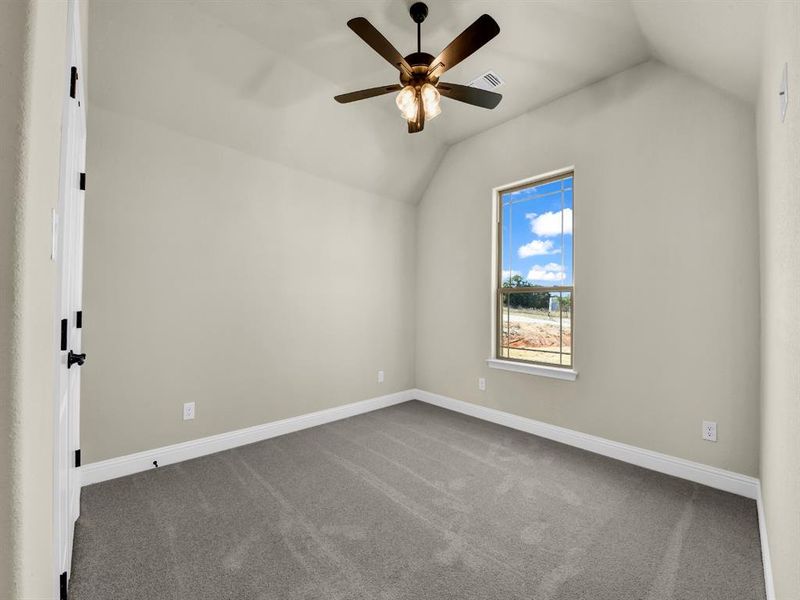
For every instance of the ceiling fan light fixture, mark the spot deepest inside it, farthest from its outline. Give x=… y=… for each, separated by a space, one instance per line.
x=431 y=101
x=407 y=102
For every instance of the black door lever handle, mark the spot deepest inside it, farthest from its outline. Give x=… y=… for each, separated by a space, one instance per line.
x=73 y=359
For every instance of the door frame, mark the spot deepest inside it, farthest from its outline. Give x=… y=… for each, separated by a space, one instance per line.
x=68 y=255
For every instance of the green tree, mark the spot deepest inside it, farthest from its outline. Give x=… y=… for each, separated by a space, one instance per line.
x=536 y=300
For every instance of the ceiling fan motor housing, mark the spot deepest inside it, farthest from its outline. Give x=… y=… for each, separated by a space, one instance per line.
x=419 y=59
x=420 y=62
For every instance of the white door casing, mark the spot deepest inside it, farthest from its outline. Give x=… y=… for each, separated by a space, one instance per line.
x=69 y=256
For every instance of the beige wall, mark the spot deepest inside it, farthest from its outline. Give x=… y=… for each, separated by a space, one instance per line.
x=666 y=215
x=13 y=22
x=779 y=179
x=257 y=291
x=32 y=49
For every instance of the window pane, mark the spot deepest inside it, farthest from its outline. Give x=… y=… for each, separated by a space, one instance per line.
x=536 y=234
x=537 y=327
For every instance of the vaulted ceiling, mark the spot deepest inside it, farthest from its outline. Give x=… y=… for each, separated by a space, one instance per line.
x=260 y=76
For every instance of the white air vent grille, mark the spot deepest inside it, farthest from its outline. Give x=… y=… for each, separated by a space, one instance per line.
x=488 y=81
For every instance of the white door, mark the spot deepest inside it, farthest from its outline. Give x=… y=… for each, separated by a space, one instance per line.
x=68 y=250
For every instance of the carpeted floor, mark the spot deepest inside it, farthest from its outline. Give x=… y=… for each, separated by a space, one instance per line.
x=412 y=503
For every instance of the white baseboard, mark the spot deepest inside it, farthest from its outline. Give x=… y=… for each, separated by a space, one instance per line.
x=762 y=529
x=663 y=463
x=143 y=461
x=655 y=461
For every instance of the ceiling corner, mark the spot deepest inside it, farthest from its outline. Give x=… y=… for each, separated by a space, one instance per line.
x=718 y=42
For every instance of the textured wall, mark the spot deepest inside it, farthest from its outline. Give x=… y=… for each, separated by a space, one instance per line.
x=13 y=22
x=666 y=215
x=779 y=181
x=257 y=291
x=32 y=61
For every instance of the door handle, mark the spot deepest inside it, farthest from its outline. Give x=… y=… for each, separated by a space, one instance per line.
x=75 y=359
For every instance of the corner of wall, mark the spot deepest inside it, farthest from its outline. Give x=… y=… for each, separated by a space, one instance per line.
x=779 y=215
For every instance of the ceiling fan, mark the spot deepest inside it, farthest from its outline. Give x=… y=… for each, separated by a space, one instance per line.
x=419 y=87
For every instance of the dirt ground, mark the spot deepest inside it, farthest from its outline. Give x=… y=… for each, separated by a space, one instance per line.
x=536 y=335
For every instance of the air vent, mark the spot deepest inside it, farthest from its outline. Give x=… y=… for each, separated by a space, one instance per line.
x=488 y=81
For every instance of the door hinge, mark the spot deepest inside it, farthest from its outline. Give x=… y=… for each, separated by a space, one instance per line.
x=79 y=319
x=83 y=181
x=73 y=81
x=63 y=335
x=62 y=585
x=78 y=457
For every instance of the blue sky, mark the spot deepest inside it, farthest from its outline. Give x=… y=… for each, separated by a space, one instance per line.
x=537 y=233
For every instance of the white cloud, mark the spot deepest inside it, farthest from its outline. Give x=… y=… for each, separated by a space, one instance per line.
x=549 y=224
x=537 y=248
x=510 y=274
x=548 y=272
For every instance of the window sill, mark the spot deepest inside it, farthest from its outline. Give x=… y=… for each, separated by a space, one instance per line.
x=530 y=369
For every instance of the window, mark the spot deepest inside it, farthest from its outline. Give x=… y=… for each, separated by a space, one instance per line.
x=535 y=294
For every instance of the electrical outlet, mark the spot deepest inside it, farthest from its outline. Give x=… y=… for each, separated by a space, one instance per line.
x=380 y=377
x=188 y=411
x=710 y=431
x=482 y=384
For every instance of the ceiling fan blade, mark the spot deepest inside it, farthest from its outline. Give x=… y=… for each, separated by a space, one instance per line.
x=467 y=42
x=375 y=40
x=370 y=93
x=470 y=95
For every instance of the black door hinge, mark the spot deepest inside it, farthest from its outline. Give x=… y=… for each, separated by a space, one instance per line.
x=78 y=457
x=62 y=584
x=83 y=181
x=79 y=319
x=63 y=335
x=73 y=81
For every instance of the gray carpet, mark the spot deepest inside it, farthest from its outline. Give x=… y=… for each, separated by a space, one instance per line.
x=412 y=502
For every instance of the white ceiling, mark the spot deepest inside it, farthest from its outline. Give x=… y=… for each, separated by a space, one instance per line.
x=260 y=76
x=716 y=40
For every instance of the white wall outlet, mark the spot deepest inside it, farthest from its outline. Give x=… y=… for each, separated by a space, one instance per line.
x=710 y=431
x=380 y=377
x=188 y=411
x=482 y=384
